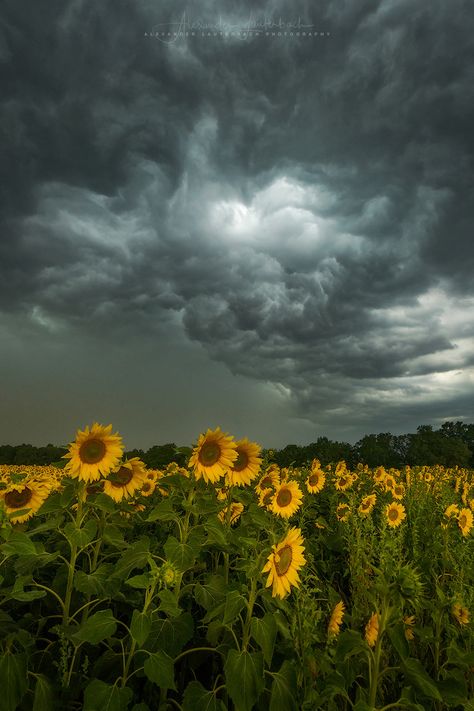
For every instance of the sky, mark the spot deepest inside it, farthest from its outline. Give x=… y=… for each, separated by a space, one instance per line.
x=262 y=222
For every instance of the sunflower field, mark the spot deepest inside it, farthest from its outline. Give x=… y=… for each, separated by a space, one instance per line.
x=233 y=584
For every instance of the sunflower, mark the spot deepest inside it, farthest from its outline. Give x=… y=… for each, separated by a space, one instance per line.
x=315 y=481
x=271 y=479
x=222 y=493
x=380 y=474
x=452 y=511
x=26 y=497
x=284 y=562
x=460 y=613
x=395 y=514
x=343 y=511
x=234 y=515
x=372 y=630
x=128 y=479
x=409 y=622
x=148 y=488
x=367 y=504
x=398 y=491
x=389 y=483
x=341 y=468
x=465 y=521
x=315 y=464
x=247 y=465
x=94 y=453
x=344 y=481
x=265 y=498
x=335 y=620
x=213 y=455
x=287 y=499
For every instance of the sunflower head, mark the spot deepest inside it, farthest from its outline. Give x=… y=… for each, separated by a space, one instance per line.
x=395 y=514
x=284 y=562
x=460 y=613
x=126 y=480
x=231 y=513
x=465 y=521
x=94 y=453
x=335 y=620
x=22 y=501
x=247 y=464
x=287 y=499
x=213 y=455
x=367 y=504
x=315 y=481
x=372 y=630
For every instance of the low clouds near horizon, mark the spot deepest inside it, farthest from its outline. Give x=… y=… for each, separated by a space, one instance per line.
x=270 y=234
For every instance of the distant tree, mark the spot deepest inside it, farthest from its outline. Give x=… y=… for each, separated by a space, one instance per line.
x=161 y=455
x=378 y=450
x=429 y=447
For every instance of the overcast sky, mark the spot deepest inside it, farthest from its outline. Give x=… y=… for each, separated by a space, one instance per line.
x=271 y=233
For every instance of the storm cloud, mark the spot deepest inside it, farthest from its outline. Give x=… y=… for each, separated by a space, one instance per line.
x=289 y=213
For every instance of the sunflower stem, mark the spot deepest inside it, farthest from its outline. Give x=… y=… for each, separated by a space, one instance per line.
x=248 y=619
x=374 y=676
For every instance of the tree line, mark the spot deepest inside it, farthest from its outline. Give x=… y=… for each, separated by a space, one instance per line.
x=450 y=445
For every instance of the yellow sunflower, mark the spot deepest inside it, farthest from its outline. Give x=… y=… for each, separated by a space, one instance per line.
x=372 y=630
x=271 y=479
x=284 y=562
x=235 y=513
x=94 y=453
x=465 y=521
x=344 y=481
x=367 y=504
x=452 y=511
x=343 y=511
x=148 y=488
x=398 y=491
x=395 y=513
x=341 y=468
x=247 y=465
x=315 y=465
x=380 y=474
x=128 y=479
x=287 y=499
x=335 y=621
x=213 y=455
x=265 y=498
x=460 y=613
x=316 y=480
x=389 y=482
x=26 y=497
x=409 y=622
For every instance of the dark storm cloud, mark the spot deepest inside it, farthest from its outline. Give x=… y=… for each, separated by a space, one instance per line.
x=303 y=206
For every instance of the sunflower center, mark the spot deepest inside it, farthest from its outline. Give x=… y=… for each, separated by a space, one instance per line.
x=284 y=498
x=365 y=504
x=463 y=520
x=285 y=556
x=92 y=451
x=393 y=514
x=313 y=480
x=266 y=481
x=18 y=499
x=123 y=477
x=209 y=454
x=241 y=462
x=146 y=487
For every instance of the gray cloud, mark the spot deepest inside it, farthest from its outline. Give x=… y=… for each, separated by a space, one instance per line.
x=298 y=208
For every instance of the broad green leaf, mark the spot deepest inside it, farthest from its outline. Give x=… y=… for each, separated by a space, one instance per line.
x=162 y=512
x=135 y=557
x=18 y=544
x=104 y=503
x=180 y=554
x=80 y=536
x=99 y=696
x=93 y=583
x=396 y=634
x=216 y=533
x=68 y=494
x=211 y=593
x=44 y=698
x=139 y=582
x=197 y=698
x=284 y=689
x=97 y=627
x=419 y=677
x=168 y=603
x=171 y=634
x=159 y=668
x=453 y=689
x=52 y=504
x=264 y=631
x=113 y=536
x=349 y=642
x=234 y=604
x=13 y=680
x=244 y=678
x=140 y=627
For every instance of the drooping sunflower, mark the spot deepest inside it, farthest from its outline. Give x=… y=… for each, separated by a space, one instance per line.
x=341 y=468
x=27 y=497
x=271 y=479
x=265 y=498
x=372 y=630
x=465 y=521
x=343 y=511
x=367 y=504
x=284 y=562
x=409 y=621
x=247 y=465
x=335 y=620
x=316 y=480
x=125 y=481
x=287 y=499
x=460 y=613
x=213 y=455
x=94 y=453
x=236 y=509
x=452 y=511
x=395 y=513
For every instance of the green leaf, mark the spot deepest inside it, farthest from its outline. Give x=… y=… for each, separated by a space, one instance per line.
x=349 y=642
x=68 y=494
x=284 y=689
x=244 y=678
x=97 y=627
x=80 y=536
x=396 y=635
x=419 y=677
x=139 y=582
x=163 y=512
x=197 y=698
x=18 y=544
x=93 y=583
x=13 y=680
x=113 y=536
x=168 y=603
x=216 y=533
x=234 y=604
x=210 y=594
x=99 y=696
x=140 y=627
x=51 y=505
x=159 y=668
x=135 y=557
x=264 y=632
x=43 y=699
x=180 y=554
x=171 y=634
x=453 y=690
x=104 y=503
